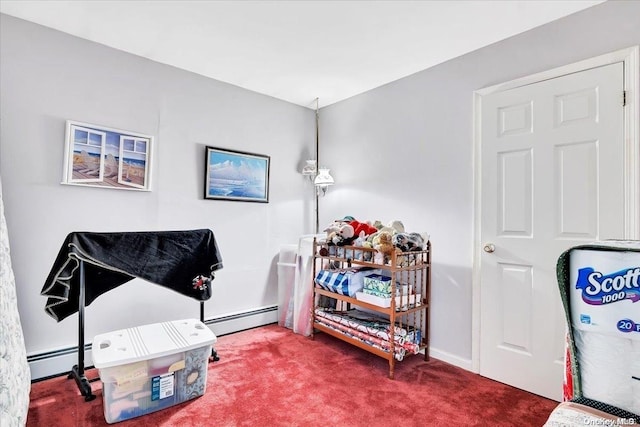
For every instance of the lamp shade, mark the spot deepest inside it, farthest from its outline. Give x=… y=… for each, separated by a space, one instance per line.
x=309 y=168
x=323 y=178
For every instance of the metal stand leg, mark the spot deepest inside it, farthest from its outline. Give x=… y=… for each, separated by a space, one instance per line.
x=77 y=372
x=214 y=355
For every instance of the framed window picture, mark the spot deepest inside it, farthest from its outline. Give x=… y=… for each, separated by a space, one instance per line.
x=98 y=156
x=236 y=175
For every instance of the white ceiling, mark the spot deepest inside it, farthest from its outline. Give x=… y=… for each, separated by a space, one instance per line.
x=297 y=51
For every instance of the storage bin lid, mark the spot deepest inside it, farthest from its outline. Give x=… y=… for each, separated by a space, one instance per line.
x=149 y=342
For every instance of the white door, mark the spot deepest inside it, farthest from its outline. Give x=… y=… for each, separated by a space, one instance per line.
x=551 y=178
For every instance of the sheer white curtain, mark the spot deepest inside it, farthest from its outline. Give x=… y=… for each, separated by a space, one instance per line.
x=15 y=377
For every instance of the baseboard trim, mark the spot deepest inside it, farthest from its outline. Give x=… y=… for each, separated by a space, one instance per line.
x=59 y=362
x=451 y=359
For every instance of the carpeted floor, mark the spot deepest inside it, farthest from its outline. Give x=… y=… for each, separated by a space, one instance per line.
x=269 y=376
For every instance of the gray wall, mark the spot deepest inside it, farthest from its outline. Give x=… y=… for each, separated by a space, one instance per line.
x=405 y=150
x=402 y=151
x=47 y=77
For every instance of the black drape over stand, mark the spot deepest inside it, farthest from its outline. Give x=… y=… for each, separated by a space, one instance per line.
x=90 y=264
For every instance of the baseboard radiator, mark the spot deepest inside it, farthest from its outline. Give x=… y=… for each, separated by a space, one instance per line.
x=58 y=362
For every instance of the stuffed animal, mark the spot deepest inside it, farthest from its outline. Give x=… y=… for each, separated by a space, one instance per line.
x=334 y=226
x=362 y=226
x=337 y=233
x=374 y=239
x=360 y=240
x=393 y=228
x=344 y=236
x=407 y=242
x=385 y=245
x=367 y=255
x=397 y=226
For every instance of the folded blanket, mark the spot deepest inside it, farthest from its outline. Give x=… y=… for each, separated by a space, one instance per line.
x=399 y=352
x=378 y=336
x=371 y=327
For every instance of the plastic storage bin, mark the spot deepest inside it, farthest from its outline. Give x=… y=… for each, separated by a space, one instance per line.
x=152 y=367
x=403 y=302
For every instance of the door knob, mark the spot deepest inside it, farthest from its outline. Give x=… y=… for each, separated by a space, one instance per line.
x=489 y=247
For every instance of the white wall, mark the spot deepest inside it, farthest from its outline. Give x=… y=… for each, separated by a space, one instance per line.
x=402 y=151
x=47 y=77
x=405 y=150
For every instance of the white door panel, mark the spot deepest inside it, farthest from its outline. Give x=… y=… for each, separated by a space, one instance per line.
x=551 y=178
x=577 y=190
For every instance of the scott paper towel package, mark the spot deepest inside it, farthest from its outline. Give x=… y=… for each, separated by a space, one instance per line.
x=603 y=293
x=606 y=292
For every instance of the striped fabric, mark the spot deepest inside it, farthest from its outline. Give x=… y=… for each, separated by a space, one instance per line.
x=339 y=281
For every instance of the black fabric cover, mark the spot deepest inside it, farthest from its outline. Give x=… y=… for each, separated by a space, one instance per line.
x=173 y=259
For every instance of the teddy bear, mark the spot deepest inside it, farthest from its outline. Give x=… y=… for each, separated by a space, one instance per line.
x=384 y=245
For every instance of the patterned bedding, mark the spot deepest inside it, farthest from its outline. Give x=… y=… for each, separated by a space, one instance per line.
x=372 y=330
x=15 y=377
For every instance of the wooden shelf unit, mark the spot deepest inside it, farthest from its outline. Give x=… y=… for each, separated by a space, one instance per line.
x=410 y=271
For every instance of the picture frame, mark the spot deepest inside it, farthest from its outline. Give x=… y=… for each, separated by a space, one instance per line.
x=99 y=156
x=236 y=175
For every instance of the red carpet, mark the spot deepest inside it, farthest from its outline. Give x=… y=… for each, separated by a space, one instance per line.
x=271 y=377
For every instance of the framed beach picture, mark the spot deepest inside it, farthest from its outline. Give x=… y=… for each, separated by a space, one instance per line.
x=99 y=156
x=236 y=175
